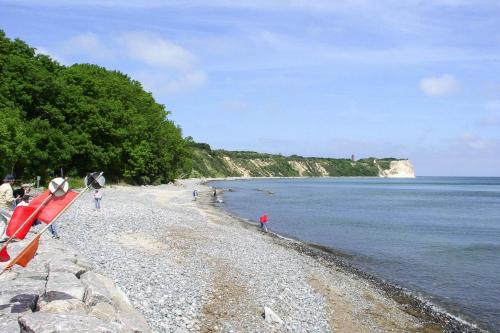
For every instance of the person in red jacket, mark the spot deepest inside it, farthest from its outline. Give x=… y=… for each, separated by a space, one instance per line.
x=263 y=221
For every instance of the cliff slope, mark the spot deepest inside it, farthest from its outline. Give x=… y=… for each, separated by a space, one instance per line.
x=221 y=163
x=398 y=169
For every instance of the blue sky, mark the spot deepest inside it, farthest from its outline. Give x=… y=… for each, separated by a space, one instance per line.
x=412 y=79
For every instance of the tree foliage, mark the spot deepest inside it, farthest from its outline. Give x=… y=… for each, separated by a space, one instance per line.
x=82 y=118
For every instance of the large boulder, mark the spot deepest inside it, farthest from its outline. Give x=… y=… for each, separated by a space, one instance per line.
x=101 y=289
x=65 y=266
x=72 y=305
x=8 y=323
x=63 y=285
x=43 y=322
x=104 y=311
x=20 y=295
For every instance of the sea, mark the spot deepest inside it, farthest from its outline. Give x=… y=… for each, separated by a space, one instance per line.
x=438 y=237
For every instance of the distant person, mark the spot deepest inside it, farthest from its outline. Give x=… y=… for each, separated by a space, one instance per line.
x=6 y=203
x=24 y=201
x=263 y=222
x=7 y=193
x=195 y=194
x=97 y=199
x=20 y=193
x=52 y=229
x=215 y=192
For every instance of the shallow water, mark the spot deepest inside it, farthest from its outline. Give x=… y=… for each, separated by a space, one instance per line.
x=438 y=236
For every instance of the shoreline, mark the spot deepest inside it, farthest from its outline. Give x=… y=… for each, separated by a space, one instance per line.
x=415 y=305
x=190 y=267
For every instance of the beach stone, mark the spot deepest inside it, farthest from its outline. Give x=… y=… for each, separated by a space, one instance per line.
x=98 y=288
x=63 y=285
x=104 y=311
x=134 y=320
x=56 y=255
x=126 y=321
x=65 y=266
x=72 y=305
x=271 y=317
x=101 y=290
x=35 y=275
x=9 y=323
x=85 y=264
x=9 y=275
x=43 y=322
x=21 y=295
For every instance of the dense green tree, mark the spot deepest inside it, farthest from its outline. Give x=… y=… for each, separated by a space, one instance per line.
x=82 y=118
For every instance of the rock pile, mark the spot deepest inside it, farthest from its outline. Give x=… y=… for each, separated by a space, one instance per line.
x=60 y=292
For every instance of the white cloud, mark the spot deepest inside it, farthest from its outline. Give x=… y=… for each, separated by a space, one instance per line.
x=54 y=56
x=189 y=80
x=164 y=67
x=156 y=51
x=177 y=66
x=439 y=85
x=88 y=44
x=169 y=82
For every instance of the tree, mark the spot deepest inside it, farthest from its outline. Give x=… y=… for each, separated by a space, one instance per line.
x=83 y=118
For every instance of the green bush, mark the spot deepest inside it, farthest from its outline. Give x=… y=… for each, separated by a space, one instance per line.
x=76 y=182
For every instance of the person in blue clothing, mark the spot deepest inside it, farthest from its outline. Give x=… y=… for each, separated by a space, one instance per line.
x=97 y=199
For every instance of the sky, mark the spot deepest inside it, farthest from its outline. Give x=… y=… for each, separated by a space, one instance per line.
x=387 y=78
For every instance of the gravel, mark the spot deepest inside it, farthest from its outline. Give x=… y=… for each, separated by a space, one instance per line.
x=189 y=267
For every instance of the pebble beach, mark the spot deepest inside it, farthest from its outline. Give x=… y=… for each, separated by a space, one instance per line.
x=188 y=266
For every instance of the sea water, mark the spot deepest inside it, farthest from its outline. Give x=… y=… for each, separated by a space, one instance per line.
x=437 y=236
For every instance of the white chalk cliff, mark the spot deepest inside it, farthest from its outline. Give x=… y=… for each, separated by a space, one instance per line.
x=398 y=169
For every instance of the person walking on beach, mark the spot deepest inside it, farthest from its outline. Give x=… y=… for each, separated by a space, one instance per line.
x=263 y=221
x=52 y=229
x=7 y=193
x=6 y=202
x=97 y=199
x=195 y=194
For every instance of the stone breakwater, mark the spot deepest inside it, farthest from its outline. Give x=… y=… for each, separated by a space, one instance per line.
x=60 y=292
